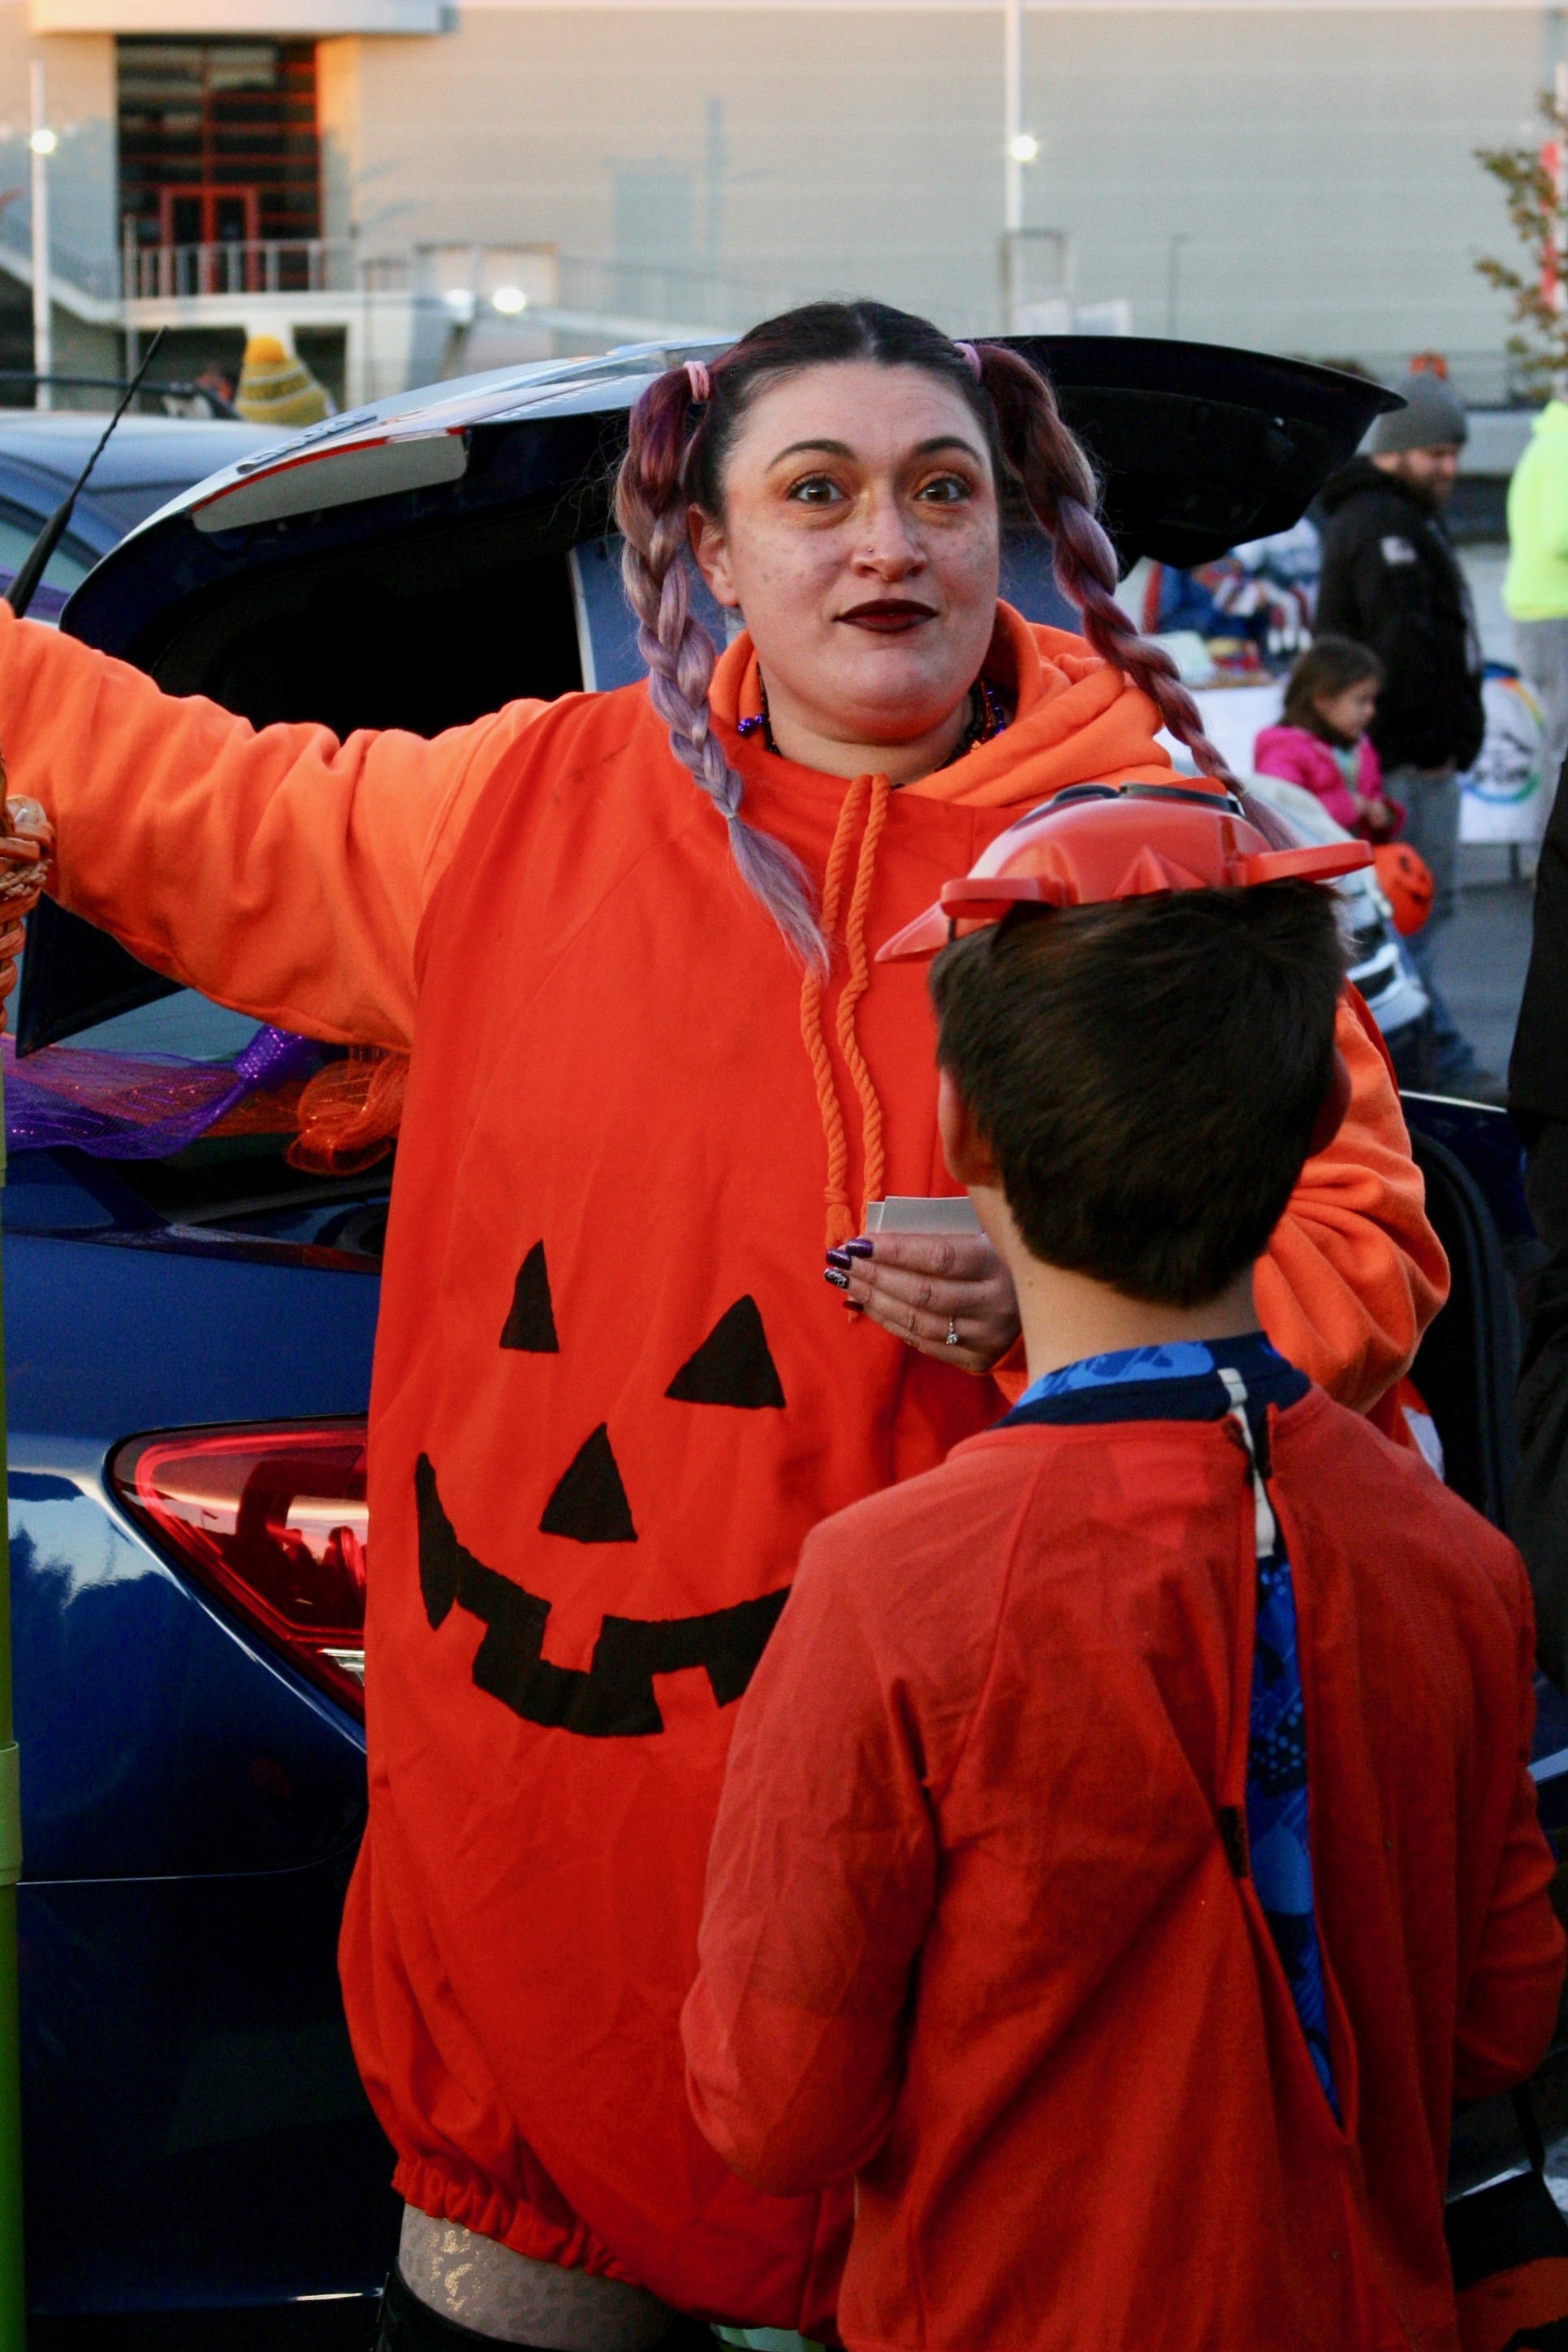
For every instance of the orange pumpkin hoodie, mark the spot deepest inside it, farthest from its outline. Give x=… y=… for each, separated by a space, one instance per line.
x=612 y=1392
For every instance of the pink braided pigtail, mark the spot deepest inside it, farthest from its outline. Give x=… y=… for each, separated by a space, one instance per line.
x=651 y=501
x=1059 y=483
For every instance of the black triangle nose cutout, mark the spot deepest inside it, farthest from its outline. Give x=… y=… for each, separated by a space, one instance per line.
x=531 y=1323
x=733 y=1366
x=589 y=1503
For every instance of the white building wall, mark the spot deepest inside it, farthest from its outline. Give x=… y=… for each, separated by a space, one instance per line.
x=783 y=152
x=1295 y=176
x=1315 y=164
x=1318 y=165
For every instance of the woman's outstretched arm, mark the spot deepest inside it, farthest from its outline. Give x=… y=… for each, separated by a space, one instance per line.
x=277 y=870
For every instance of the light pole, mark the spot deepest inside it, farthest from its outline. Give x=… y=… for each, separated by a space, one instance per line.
x=1560 y=222
x=43 y=143
x=1012 y=114
x=12 y=2267
x=1020 y=147
x=1172 y=280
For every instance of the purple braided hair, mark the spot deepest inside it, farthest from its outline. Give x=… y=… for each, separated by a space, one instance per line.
x=1059 y=483
x=651 y=499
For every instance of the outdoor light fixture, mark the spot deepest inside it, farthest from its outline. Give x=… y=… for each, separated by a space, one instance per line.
x=1024 y=148
x=44 y=141
x=509 y=300
x=459 y=300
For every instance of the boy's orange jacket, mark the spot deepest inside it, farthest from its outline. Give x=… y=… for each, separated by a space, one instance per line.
x=612 y=1392
x=972 y=1930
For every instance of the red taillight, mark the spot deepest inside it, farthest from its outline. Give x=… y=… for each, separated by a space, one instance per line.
x=274 y=1522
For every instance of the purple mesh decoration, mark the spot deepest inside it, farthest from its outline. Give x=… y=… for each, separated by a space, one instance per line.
x=137 y=1106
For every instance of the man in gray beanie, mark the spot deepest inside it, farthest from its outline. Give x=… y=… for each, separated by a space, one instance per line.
x=1391 y=580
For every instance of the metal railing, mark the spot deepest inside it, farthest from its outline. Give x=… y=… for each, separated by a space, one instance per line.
x=1483 y=379
x=315 y=265
x=174 y=398
x=343 y=266
x=338 y=266
x=96 y=275
x=696 y=297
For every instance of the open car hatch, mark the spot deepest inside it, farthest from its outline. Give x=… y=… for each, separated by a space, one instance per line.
x=427 y=559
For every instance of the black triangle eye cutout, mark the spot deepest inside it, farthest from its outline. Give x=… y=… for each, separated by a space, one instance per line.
x=589 y=1503
x=733 y=1366
x=531 y=1323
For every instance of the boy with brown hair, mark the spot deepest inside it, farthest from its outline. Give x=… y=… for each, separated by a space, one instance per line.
x=1128 y=1852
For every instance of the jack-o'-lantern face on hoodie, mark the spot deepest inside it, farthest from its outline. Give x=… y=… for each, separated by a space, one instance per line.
x=732 y=1369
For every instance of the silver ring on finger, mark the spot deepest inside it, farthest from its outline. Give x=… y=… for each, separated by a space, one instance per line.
x=952 y=1339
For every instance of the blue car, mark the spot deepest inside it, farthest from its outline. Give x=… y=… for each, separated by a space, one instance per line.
x=150 y=460
x=190 y=1318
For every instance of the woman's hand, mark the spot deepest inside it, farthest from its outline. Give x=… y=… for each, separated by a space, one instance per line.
x=26 y=840
x=920 y=1286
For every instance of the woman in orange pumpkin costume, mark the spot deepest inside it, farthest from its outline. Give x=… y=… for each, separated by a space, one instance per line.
x=652 y=1071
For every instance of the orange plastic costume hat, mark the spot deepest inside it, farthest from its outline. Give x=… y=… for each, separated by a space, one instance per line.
x=1093 y=843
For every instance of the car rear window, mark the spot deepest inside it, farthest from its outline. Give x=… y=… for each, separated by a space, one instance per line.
x=187 y=1024
x=66 y=568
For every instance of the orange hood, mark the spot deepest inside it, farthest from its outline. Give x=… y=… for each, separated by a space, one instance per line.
x=1076 y=720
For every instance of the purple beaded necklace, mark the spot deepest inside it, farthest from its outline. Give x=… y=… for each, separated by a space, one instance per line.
x=988 y=716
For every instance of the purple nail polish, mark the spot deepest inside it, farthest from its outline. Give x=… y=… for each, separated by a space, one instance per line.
x=860 y=1248
x=841 y=1258
x=840 y=1281
x=854 y=1305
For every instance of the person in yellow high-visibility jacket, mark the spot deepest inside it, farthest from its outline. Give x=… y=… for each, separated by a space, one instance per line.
x=1536 y=585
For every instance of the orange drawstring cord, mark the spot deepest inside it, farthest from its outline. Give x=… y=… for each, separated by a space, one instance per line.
x=841 y=1222
x=856 y=981
x=840 y=1225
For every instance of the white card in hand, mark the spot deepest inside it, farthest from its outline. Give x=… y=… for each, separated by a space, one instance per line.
x=911 y=1213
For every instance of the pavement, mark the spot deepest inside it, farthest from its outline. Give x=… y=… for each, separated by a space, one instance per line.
x=1480 y=956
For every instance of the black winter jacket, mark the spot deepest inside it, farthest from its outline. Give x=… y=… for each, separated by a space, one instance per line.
x=1391 y=580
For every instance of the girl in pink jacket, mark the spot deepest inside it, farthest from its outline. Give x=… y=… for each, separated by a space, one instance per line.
x=1323 y=744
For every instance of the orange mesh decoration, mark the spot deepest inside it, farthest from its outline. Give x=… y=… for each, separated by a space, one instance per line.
x=349 y=1113
x=274 y=1111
